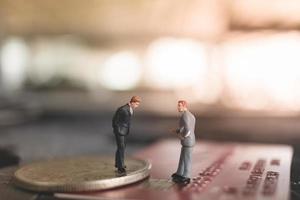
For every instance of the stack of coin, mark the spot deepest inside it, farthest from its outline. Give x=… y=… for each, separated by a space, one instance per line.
x=79 y=174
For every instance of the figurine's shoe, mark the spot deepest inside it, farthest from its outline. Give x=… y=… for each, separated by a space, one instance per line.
x=177 y=178
x=185 y=180
x=121 y=170
x=181 y=180
x=122 y=167
x=175 y=175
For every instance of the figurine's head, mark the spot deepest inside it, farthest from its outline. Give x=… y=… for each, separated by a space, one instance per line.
x=182 y=106
x=135 y=102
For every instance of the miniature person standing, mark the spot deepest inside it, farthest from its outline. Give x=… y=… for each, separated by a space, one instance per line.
x=121 y=127
x=187 y=136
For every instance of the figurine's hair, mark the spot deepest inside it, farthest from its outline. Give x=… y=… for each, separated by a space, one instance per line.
x=183 y=102
x=135 y=99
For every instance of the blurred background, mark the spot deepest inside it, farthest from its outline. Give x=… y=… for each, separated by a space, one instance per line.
x=67 y=65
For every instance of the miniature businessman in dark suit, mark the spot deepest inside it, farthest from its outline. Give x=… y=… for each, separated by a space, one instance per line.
x=187 y=136
x=121 y=127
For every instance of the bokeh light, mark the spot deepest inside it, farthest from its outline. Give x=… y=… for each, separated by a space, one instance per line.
x=263 y=73
x=14 y=60
x=121 y=71
x=175 y=63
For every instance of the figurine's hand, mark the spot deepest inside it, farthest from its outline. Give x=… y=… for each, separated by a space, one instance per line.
x=181 y=137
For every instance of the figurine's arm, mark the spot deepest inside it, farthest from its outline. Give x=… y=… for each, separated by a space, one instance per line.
x=124 y=117
x=120 y=117
x=179 y=135
x=177 y=132
x=184 y=131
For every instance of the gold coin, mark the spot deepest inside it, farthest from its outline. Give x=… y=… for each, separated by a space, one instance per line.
x=79 y=174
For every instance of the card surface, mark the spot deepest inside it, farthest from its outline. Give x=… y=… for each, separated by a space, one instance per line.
x=230 y=171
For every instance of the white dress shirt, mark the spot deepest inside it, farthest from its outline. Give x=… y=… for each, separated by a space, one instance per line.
x=131 y=110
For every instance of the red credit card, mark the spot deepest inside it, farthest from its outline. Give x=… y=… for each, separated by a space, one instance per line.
x=220 y=171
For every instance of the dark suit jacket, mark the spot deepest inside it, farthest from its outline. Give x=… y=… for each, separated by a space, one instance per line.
x=121 y=120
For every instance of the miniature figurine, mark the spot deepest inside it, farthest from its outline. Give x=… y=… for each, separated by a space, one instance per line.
x=121 y=127
x=187 y=136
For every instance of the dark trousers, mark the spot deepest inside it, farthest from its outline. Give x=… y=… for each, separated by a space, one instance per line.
x=121 y=145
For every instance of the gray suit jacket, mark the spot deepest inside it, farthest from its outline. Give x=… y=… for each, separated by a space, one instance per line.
x=187 y=129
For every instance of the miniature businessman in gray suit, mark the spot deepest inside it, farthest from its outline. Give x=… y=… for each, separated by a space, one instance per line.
x=121 y=127
x=187 y=136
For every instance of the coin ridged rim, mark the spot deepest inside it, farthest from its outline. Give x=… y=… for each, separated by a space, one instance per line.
x=83 y=186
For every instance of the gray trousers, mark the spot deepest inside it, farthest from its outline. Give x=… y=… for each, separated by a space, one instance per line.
x=185 y=162
x=121 y=145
